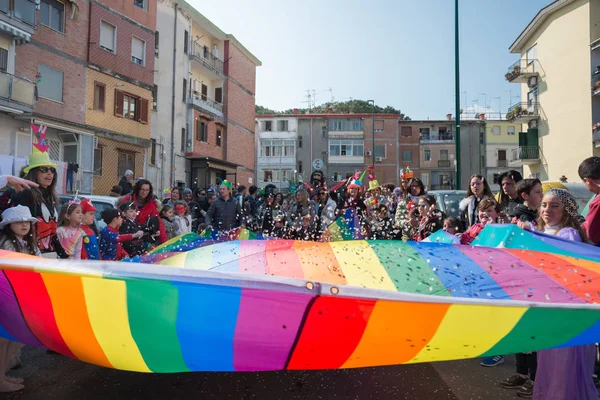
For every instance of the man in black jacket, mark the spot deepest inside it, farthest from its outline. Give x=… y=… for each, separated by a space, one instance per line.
x=125 y=183
x=224 y=213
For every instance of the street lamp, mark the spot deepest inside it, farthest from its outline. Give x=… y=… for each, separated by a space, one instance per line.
x=373 y=128
x=457 y=96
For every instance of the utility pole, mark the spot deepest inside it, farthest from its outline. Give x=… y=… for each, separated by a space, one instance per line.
x=457 y=90
x=373 y=128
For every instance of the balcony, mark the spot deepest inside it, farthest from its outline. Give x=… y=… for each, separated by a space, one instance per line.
x=203 y=55
x=596 y=135
x=523 y=112
x=525 y=155
x=18 y=18
x=522 y=70
x=16 y=92
x=205 y=104
x=596 y=85
x=442 y=138
x=501 y=163
x=443 y=163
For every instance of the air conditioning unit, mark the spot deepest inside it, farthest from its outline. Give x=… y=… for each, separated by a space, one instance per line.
x=532 y=81
x=379 y=159
x=368 y=153
x=155 y=52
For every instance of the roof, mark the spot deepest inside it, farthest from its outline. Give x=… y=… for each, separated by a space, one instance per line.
x=327 y=115
x=216 y=31
x=535 y=23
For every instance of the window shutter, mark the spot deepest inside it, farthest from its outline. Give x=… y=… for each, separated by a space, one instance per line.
x=143 y=107
x=219 y=95
x=118 y=103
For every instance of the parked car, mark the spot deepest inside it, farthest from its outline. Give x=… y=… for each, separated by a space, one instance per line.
x=447 y=200
x=100 y=202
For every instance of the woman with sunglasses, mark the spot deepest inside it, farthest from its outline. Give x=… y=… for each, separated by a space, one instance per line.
x=43 y=202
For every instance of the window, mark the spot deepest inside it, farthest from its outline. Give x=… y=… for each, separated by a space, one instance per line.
x=51 y=86
x=201 y=131
x=267 y=176
x=183 y=139
x=424 y=133
x=138 y=50
x=219 y=137
x=204 y=92
x=300 y=167
x=300 y=142
x=324 y=132
x=531 y=54
x=510 y=130
x=407 y=155
x=153 y=151
x=184 y=89
x=3 y=60
x=143 y=4
x=277 y=148
x=268 y=126
x=289 y=149
x=219 y=95
x=425 y=179
x=155 y=98
x=378 y=125
x=186 y=41
x=156 y=36
x=406 y=131
x=501 y=155
x=496 y=178
x=348 y=124
x=126 y=161
x=98 y=161
x=444 y=155
x=380 y=150
x=108 y=35
x=444 y=133
x=52 y=14
x=427 y=155
x=349 y=148
x=99 y=95
x=496 y=130
x=131 y=107
x=337 y=176
x=282 y=126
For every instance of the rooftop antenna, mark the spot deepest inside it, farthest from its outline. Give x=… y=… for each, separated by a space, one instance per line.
x=308 y=100
x=314 y=98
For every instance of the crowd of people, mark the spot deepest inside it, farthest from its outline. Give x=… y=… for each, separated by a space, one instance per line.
x=32 y=224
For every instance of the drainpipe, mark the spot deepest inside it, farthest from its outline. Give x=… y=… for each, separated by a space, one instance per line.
x=173 y=99
x=398 y=152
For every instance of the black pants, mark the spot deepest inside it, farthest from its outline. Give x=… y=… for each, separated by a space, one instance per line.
x=527 y=364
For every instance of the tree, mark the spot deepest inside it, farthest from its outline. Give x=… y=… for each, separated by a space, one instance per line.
x=345 y=107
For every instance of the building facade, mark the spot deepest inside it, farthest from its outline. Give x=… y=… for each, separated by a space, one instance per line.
x=277 y=139
x=554 y=67
x=501 y=140
x=437 y=153
x=205 y=102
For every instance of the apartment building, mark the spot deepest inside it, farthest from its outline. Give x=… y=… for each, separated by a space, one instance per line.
x=501 y=141
x=437 y=155
x=205 y=89
x=558 y=53
x=276 y=143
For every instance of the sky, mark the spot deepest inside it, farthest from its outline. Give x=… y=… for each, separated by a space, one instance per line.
x=397 y=52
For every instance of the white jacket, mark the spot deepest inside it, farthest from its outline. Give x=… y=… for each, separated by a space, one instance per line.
x=184 y=224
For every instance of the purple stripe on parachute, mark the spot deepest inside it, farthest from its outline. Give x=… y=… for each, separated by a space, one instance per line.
x=11 y=317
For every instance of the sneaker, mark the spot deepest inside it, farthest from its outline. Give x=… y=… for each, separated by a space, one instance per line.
x=492 y=361
x=513 y=382
x=526 y=391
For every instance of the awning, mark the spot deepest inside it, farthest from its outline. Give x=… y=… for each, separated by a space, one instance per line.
x=19 y=35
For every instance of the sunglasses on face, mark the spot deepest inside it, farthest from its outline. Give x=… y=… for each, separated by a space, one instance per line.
x=45 y=170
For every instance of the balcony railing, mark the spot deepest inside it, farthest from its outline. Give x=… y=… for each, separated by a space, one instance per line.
x=203 y=55
x=501 y=163
x=595 y=84
x=596 y=133
x=525 y=154
x=205 y=103
x=23 y=10
x=526 y=111
x=441 y=138
x=522 y=70
x=17 y=90
x=444 y=163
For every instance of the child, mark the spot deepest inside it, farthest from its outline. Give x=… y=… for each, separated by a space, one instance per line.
x=564 y=373
x=488 y=212
x=90 y=240
x=530 y=192
x=171 y=228
x=182 y=217
x=306 y=230
x=589 y=172
x=134 y=247
x=110 y=240
x=69 y=230
x=17 y=235
x=452 y=225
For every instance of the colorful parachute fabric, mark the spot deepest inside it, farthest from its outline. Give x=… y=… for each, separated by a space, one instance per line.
x=346 y=227
x=273 y=305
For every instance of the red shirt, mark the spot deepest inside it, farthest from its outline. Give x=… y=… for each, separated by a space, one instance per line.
x=591 y=226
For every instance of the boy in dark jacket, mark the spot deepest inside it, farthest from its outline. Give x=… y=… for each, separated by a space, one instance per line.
x=110 y=240
x=530 y=192
x=135 y=246
x=589 y=172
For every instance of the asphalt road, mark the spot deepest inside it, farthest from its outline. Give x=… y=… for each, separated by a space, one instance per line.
x=57 y=377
